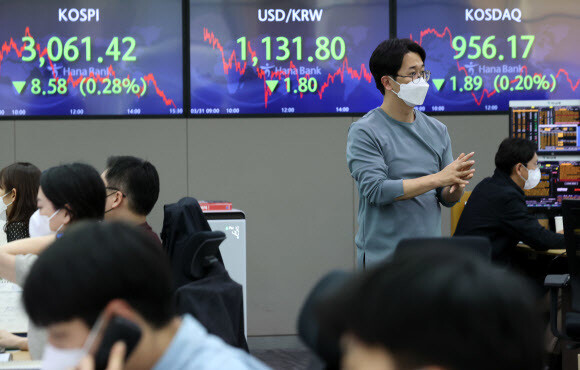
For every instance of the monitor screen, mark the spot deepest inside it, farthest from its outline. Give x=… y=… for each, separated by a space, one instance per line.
x=560 y=180
x=483 y=53
x=284 y=58
x=551 y=124
x=91 y=58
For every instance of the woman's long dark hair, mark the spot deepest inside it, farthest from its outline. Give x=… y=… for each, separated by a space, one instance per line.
x=24 y=177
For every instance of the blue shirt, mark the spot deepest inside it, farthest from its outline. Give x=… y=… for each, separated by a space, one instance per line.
x=194 y=348
x=381 y=152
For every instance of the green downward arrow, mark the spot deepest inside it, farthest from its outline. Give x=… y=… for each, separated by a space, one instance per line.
x=438 y=82
x=272 y=84
x=19 y=85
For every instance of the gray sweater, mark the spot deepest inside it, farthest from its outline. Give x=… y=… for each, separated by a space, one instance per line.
x=381 y=152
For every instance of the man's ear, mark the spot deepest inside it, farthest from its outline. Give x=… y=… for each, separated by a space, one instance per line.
x=120 y=307
x=388 y=83
x=118 y=199
x=67 y=215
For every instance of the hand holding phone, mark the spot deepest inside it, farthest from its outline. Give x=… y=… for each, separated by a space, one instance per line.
x=116 y=359
x=107 y=333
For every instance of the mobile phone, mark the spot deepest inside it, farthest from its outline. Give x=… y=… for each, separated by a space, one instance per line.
x=118 y=329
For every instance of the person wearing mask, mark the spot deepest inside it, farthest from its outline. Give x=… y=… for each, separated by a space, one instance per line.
x=18 y=189
x=132 y=190
x=401 y=159
x=434 y=309
x=497 y=208
x=67 y=194
x=119 y=272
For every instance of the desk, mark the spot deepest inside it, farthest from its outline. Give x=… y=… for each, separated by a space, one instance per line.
x=550 y=252
x=18 y=355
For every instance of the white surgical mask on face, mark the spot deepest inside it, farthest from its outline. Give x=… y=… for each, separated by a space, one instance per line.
x=3 y=207
x=39 y=225
x=534 y=177
x=55 y=358
x=59 y=359
x=412 y=93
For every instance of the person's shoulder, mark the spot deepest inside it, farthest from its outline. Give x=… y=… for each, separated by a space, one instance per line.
x=368 y=121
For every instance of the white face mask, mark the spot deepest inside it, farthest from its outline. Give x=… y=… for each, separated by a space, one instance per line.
x=534 y=177
x=59 y=359
x=55 y=358
x=39 y=225
x=3 y=207
x=412 y=93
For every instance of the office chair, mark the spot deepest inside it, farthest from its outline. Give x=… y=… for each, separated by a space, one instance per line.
x=457 y=210
x=471 y=244
x=211 y=296
x=181 y=223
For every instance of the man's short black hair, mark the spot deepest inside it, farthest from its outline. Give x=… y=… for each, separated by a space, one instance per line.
x=92 y=264
x=513 y=151
x=387 y=58
x=76 y=187
x=137 y=179
x=443 y=308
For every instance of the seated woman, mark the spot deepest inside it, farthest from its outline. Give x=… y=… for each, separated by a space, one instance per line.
x=68 y=193
x=18 y=189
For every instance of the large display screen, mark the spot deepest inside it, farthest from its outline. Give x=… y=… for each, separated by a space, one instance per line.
x=280 y=57
x=484 y=53
x=91 y=57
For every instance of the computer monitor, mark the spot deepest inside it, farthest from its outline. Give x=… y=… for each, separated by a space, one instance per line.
x=560 y=180
x=551 y=124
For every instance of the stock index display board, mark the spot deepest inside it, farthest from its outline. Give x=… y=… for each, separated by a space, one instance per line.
x=484 y=53
x=279 y=57
x=91 y=57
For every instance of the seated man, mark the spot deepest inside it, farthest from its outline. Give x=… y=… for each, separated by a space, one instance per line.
x=433 y=309
x=112 y=269
x=132 y=190
x=497 y=209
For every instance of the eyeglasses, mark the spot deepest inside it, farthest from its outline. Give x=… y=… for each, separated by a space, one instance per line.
x=114 y=191
x=416 y=76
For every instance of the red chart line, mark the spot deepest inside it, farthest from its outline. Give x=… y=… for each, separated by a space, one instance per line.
x=11 y=45
x=231 y=63
x=486 y=93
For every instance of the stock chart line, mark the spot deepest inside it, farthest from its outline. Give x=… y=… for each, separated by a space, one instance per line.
x=10 y=46
x=232 y=63
x=486 y=93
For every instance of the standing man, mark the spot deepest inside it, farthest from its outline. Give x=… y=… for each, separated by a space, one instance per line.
x=400 y=158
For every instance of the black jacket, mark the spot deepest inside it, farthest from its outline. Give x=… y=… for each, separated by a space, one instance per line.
x=497 y=210
x=215 y=300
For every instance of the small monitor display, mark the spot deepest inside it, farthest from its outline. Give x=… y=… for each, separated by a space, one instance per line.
x=560 y=180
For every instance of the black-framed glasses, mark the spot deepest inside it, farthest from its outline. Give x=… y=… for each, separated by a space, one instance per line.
x=114 y=191
x=415 y=76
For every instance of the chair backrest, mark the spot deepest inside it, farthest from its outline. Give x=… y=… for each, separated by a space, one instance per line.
x=457 y=209
x=205 y=252
x=474 y=244
x=571 y=213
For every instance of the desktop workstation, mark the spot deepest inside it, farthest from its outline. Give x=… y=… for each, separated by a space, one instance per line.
x=554 y=127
